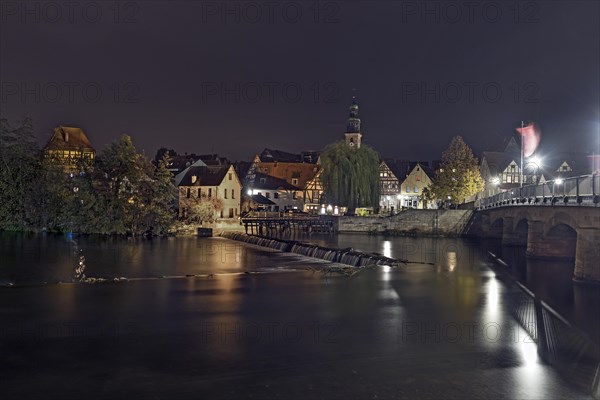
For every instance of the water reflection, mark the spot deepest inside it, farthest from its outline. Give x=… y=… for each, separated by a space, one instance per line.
x=552 y=281
x=248 y=332
x=387 y=248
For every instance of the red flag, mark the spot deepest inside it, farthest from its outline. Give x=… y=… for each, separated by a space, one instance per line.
x=530 y=139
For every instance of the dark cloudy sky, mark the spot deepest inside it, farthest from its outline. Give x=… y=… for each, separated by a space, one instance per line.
x=235 y=77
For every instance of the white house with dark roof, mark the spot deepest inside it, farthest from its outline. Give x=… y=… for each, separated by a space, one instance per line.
x=284 y=195
x=411 y=188
x=200 y=181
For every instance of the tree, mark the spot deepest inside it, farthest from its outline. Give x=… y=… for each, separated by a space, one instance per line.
x=203 y=209
x=350 y=176
x=160 y=195
x=19 y=167
x=160 y=154
x=138 y=198
x=458 y=176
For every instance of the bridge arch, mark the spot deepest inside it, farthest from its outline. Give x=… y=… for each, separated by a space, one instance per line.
x=496 y=228
x=552 y=232
x=521 y=230
x=560 y=218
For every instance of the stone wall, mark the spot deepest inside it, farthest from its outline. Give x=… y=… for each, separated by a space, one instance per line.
x=410 y=222
x=221 y=225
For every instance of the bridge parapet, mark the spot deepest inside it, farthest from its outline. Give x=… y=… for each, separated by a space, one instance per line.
x=582 y=190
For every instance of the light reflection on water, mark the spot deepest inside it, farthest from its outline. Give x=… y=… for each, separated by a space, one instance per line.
x=212 y=322
x=551 y=280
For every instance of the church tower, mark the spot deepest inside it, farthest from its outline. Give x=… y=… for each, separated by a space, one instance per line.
x=353 y=135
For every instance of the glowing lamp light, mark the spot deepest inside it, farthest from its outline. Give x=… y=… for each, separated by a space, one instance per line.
x=249 y=192
x=495 y=180
x=336 y=210
x=323 y=211
x=537 y=161
x=558 y=181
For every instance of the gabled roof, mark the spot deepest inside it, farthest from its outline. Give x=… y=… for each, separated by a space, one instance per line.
x=260 y=199
x=498 y=161
x=401 y=168
x=502 y=143
x=271 y=155
x=213 y=159
x=580 y=163
x=425 y=168
x=242 y=168
x=205 y=176
x=180 y=162
x=268 y=182
x=68 y=138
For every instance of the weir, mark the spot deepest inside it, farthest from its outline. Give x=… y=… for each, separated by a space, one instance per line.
x=347 y=256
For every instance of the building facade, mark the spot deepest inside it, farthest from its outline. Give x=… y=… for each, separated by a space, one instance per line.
x=411 y=189
x=69 y=147
x=200 y=185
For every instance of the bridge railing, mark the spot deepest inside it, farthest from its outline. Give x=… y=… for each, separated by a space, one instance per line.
x=581 y=190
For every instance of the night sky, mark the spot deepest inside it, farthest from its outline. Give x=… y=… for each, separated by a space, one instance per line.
x=236 y=77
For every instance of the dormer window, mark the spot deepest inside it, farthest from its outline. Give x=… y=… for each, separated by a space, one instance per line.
x=194 y=179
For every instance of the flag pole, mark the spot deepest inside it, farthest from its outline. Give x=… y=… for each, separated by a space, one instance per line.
x=521 y=180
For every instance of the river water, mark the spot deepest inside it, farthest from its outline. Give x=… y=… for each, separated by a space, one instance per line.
x=213 y=318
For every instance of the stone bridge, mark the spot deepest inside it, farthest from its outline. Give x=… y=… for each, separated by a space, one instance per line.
x=548 y=232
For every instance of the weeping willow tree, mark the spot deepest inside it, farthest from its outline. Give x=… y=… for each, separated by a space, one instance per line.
x=350 y=176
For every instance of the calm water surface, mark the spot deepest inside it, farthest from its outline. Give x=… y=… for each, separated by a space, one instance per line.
x=281 y=331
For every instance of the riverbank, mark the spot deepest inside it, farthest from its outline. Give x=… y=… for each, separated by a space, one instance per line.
x=437 y=223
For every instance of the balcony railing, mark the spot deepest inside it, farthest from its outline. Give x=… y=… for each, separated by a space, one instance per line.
x=582 y=190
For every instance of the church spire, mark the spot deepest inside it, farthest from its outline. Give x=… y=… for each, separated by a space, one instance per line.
x=353 y=122
x=353 y=135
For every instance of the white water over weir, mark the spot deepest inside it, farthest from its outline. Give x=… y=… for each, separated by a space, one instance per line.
x=343 y=256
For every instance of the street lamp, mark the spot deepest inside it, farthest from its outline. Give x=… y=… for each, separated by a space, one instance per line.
x=534 y=164
x=557 y=181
